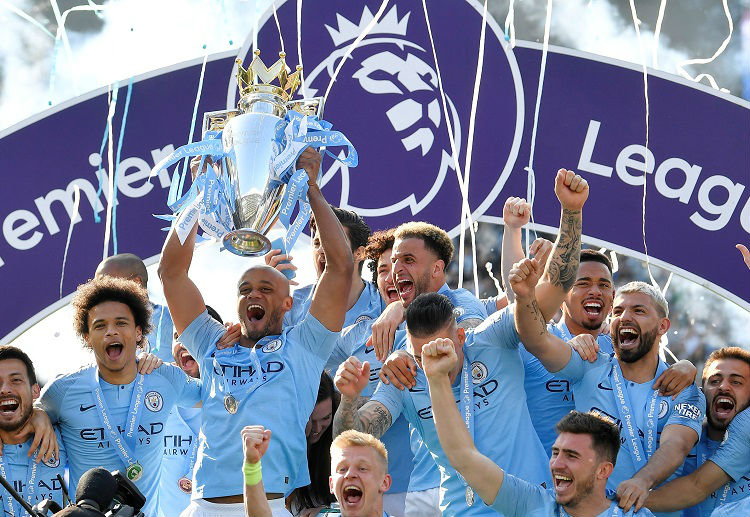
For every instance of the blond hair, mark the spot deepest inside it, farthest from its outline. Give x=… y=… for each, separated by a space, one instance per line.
x=649 y=290
x=352 y=438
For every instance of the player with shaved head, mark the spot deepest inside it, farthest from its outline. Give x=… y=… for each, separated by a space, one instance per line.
x=270 y=364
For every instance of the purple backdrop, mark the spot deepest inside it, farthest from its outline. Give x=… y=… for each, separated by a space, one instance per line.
x=387 y=101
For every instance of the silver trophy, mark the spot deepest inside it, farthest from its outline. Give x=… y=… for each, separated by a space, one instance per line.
x=248 y=140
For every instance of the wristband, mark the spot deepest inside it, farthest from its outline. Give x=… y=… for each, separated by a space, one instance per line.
x=252 y=473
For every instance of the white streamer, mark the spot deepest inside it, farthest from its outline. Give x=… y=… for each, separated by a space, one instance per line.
x=353 y=45
x=498 y=286
x=680 y=67
x=657 y=32
x=465 y=213
x=531 y=178
x=510 y=24
x=278 y=26
x=454 y=151
x=636 y=24
x=110 y=160
x=12 y=8
x=299 y=49
x=73 y=220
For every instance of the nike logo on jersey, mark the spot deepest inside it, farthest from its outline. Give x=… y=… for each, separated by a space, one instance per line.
x=86 y=408
x=601 y=387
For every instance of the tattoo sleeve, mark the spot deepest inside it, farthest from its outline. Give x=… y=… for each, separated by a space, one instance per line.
x=562 y=266
x=361 y=415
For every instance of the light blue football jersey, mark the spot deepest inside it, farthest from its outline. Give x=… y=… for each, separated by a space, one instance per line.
x=496 y=378
x=595 y=391
x=353 y=342
x=274 y=384
x=733 y=455
x=519 y=497
x=369 y=305
x=69 y=401
x=162 y=332
x=180 y=442
x=735 y=509
x=33 y=481
x=550 y=397
x=465 y=304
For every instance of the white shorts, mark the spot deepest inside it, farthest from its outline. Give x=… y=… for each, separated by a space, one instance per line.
x=394 y=504
x=203 y=508
x=425 y=503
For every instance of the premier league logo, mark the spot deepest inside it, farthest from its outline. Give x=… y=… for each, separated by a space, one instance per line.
x=663 y=409
x=406 y=108
x=154 y=401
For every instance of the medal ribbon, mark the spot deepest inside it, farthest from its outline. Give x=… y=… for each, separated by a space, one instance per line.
x=125 y=445
x=230 y=352
x=31 y=468
x=190 y=458
x=467 y=408
x=639 y=452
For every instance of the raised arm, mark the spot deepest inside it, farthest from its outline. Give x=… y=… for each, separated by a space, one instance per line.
x=183 y=297
x=560 y=274
x=329 y=304
x=689 y=490
x=674 y=445
x=255 y=440
x=516 y=213
x=480 y=472
x=552 y=351
x=355 y=412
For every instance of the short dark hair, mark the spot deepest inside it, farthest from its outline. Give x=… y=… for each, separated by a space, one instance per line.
x=605 y=436
x=727 y=352
x=12 y=352
x=435 y=239
x=589 y=255
x=128 y=263
x=377 y=243
x=359 y=230
x=214 y=314
x=111 y=289
x=428 y=313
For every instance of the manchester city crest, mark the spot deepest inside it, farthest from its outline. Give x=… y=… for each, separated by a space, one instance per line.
x=154 y=401
x=272 y=346
x=478 y=372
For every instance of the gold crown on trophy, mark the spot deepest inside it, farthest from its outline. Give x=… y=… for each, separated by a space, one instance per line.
x=257 y=78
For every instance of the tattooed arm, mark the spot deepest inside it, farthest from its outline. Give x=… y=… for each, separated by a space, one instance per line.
x=372 y=417
x=562 y=265
x=553 y=352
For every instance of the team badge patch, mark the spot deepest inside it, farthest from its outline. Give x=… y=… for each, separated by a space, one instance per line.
x=363 y=317
x=54 y=462
x=478 y=372
x=272 y=346
x=154 y=401
x=663 y=409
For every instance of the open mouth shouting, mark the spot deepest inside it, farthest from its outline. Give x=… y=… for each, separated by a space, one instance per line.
x=723 y=407
x=187 y=361
x=405 y=288
x=593 y=308
x=562 y=484
x=628 y=337
x=391 y=293
x=114 y=350
x=9 y=405
x=255 y=312
x=352 y=496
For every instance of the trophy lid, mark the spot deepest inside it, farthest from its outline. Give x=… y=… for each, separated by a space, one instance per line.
x=257 y=78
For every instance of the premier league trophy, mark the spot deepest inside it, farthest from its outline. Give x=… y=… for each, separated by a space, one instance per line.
x=250 y=144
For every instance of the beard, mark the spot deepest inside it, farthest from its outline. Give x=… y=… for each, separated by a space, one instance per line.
x=422 y=284
x=585 y=488
x=272 y=326
x=15 y=425
x=645 y=344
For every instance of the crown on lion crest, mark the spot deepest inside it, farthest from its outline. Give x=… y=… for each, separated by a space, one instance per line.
x=259 y=78
x=387 y=24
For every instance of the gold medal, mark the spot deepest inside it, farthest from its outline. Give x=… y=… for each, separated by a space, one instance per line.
x=134 y=471
x=230 y=404
x=185 y=484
